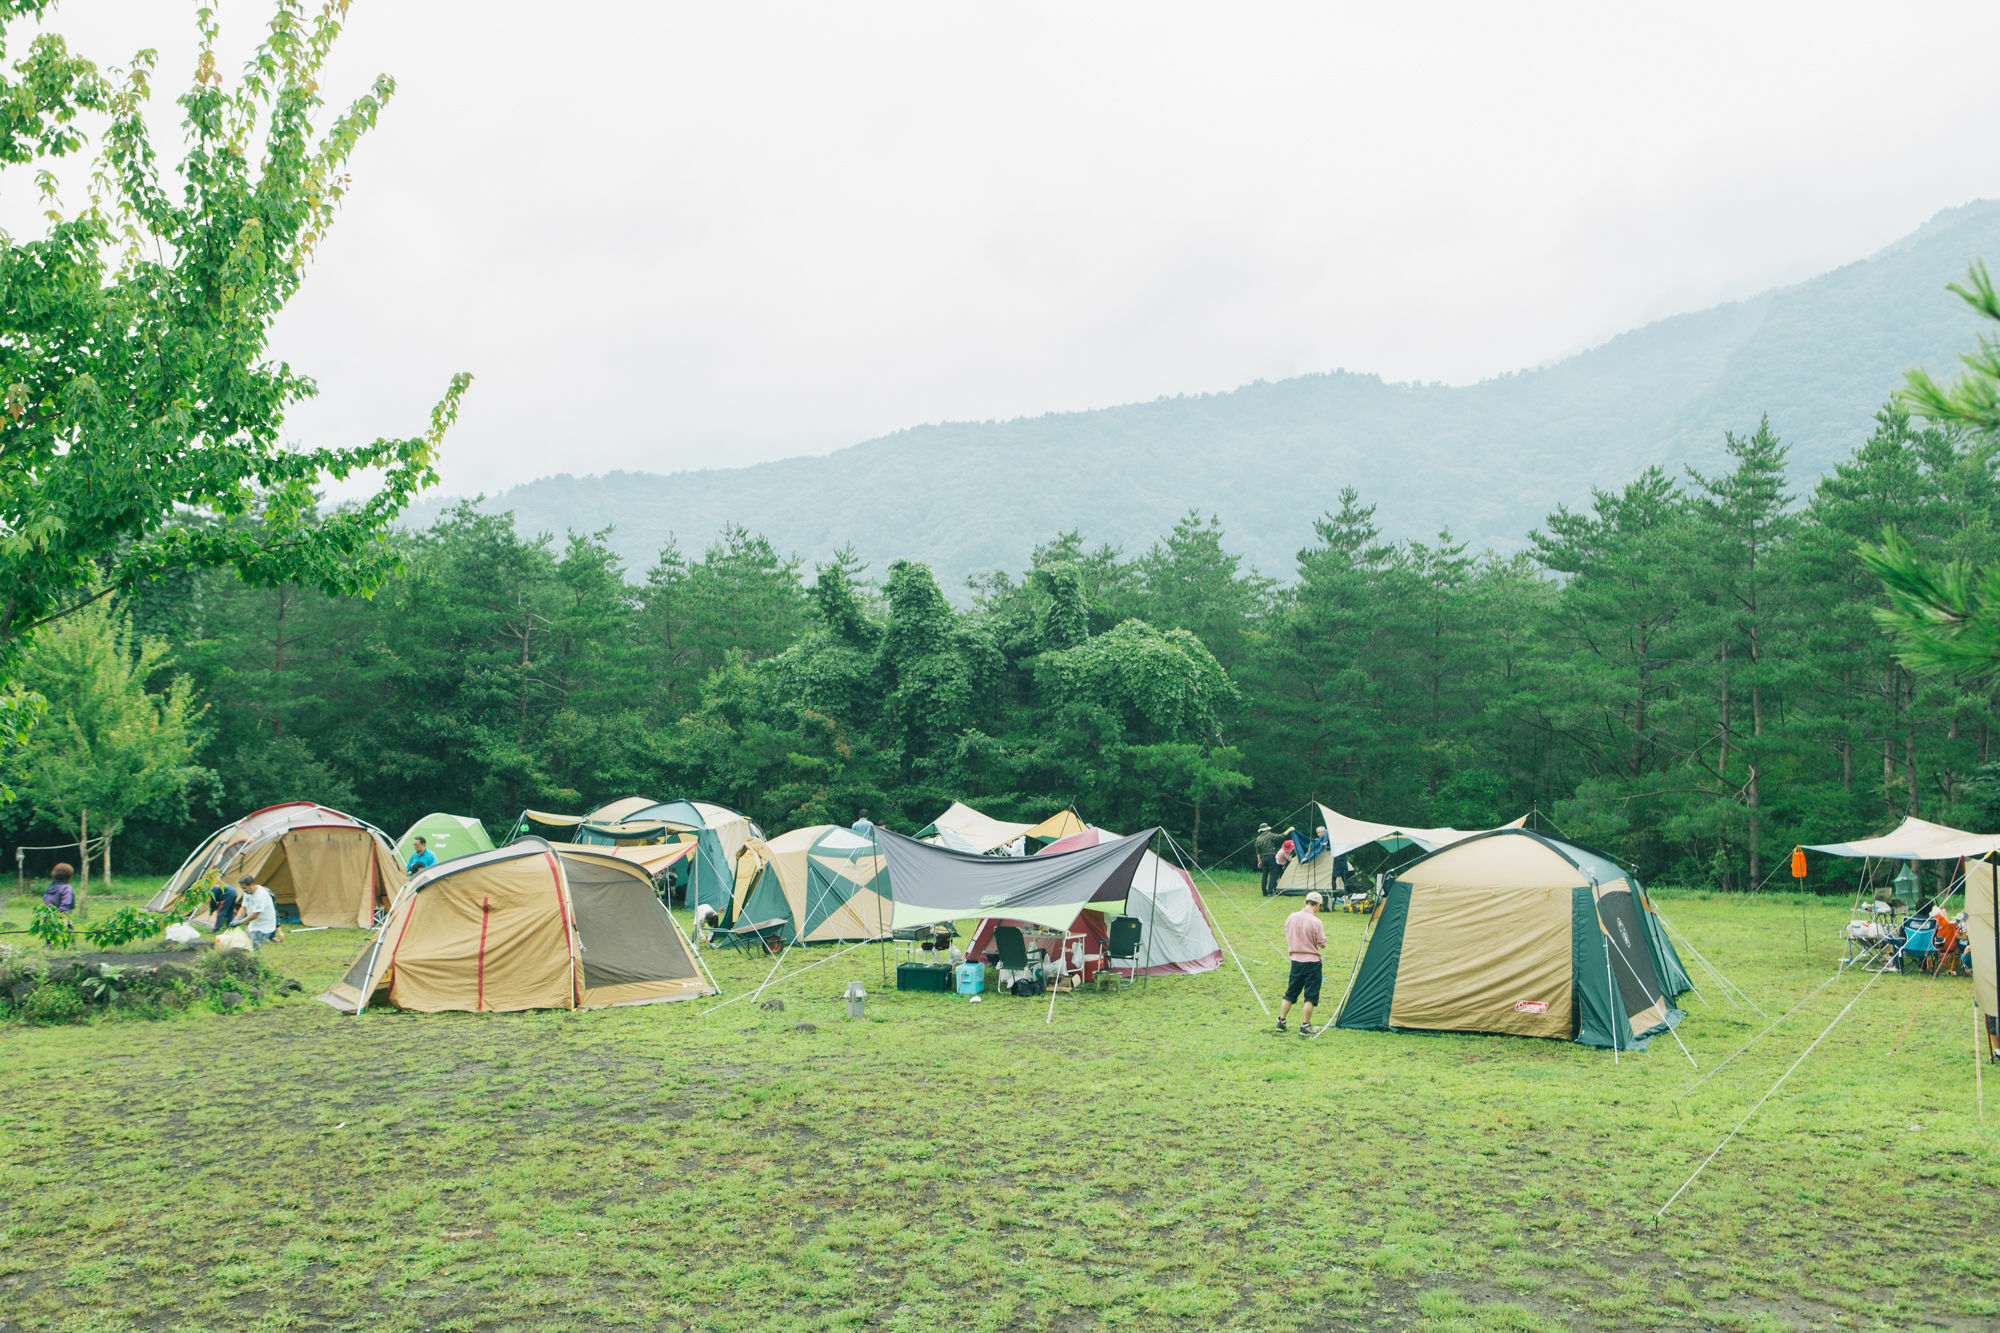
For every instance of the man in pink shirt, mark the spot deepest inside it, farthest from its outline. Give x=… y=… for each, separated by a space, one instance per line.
x=1305 y=937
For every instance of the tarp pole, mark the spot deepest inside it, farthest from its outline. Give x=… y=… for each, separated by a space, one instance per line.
x=1979 y=1060
x=1174 y=847
x=1766 y=1097
x=1612 y=981
x=1635 y=976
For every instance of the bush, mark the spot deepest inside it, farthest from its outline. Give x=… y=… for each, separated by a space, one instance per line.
x=75 y=992
x=53 y=1003
x=17 y=966
x=54 y=929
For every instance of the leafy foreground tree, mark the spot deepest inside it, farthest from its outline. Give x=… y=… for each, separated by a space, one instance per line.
x=135 y=389
x=106 y=744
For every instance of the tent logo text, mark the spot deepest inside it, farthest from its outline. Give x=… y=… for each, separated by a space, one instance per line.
x=992 y=899
x=1531 y=1006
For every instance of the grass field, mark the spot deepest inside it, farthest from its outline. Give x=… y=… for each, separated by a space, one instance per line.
x=1151 y=1159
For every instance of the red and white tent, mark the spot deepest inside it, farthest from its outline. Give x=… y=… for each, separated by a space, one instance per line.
x=1174 y=934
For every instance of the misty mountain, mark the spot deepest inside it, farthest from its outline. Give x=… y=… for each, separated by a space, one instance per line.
x=1488 y=460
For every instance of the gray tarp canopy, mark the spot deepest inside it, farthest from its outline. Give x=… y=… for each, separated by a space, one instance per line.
x=930 y=884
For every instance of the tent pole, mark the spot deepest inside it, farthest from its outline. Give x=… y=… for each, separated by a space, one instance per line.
x=1609 y=979
x=1635 y=973
x=1146 y=944
x=375 y=956
x=1216 y=926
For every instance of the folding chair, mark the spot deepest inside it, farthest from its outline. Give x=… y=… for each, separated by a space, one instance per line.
x=1121 y=945
x=1919 y=946
x=1016 y=959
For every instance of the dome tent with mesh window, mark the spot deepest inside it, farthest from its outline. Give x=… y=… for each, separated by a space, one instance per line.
x=529 y=926
x=332 y=868
x=1514 y=932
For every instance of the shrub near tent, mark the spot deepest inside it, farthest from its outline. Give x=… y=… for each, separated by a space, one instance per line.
x=1514 y=932
x=529 y=926
x=333 y=868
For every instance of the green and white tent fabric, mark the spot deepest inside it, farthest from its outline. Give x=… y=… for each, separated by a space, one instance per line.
x=825 y=883
x=930 y=884
x=1514 y=932
x=448 y=837
x=719 y=834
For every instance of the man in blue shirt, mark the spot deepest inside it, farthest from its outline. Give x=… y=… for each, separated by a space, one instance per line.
x=863 y=826
x=421 y=859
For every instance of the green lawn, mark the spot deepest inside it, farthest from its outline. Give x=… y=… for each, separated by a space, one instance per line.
x=1153 y=1159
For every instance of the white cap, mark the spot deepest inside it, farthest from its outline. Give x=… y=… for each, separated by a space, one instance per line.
x=1315 y=899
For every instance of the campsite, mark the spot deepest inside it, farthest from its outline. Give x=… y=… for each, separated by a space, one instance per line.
x=1151 y=1159
x=1028 y=668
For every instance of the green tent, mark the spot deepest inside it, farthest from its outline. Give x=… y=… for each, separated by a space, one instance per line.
x=448 y=837
x=1514 y=932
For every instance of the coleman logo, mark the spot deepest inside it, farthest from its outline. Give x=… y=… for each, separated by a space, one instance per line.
x=992 y=899
x=1531 y=1006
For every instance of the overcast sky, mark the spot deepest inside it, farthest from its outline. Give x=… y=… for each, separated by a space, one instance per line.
x=682 y=235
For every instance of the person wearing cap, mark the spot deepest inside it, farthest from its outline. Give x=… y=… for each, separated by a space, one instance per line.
x=1267 y=859
x=1305 y=938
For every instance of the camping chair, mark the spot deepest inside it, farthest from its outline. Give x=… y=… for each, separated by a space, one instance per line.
x=759 y=934
x=1947 y=948
x=1121 y=945
x=1016 y=959
x=1919 y=945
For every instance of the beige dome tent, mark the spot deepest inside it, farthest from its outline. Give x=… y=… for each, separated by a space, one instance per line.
x=529 y=926
x=332 y=868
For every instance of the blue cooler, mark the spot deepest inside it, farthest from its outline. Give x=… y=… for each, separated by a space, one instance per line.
x=971 y=978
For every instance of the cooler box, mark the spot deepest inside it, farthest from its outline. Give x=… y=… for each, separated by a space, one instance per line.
x=924 y=976
x=971 y=978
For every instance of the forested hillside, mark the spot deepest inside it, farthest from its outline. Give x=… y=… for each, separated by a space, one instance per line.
x=1486 y=460
x=1687 y=672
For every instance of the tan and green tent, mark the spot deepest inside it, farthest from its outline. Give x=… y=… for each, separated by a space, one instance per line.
x=826 y=883
x=529 y=926
x=330 y=868
x=1513 y=932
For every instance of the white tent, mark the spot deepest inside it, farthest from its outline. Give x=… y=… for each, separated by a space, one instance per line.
x=1982 y=942
x=964 y=829
x=1345 y=834
x=1174 y=934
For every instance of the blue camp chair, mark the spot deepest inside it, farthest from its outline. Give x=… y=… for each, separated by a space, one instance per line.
x=1919 y=944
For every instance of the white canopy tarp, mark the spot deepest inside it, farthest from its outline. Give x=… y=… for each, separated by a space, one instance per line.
x=964 y=829
x=1345 y=834
x=1916 y=840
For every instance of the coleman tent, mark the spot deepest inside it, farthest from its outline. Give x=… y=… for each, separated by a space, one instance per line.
x=718 y=833
x=930 y=884
x=964 y=829
x=1313 y=870
x=1982 y=942
x=528 y=926
x=823 y=882
x=1174 y=935
x=1514 y=932
x=333 y=869
x=448 y=837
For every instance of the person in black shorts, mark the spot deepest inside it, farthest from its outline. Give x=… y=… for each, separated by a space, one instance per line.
x=1305 y=941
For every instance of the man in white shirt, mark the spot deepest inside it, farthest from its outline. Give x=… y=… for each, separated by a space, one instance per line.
x=256 y=912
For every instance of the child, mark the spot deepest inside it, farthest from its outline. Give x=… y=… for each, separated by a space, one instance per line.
x=60 y=894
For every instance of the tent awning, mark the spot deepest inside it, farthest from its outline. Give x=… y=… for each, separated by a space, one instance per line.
x=1916 y=840
x=1345 y=834
x=929 y=884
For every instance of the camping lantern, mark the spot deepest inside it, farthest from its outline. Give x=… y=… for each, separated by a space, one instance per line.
x=856 y=996
x=1906 y=883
